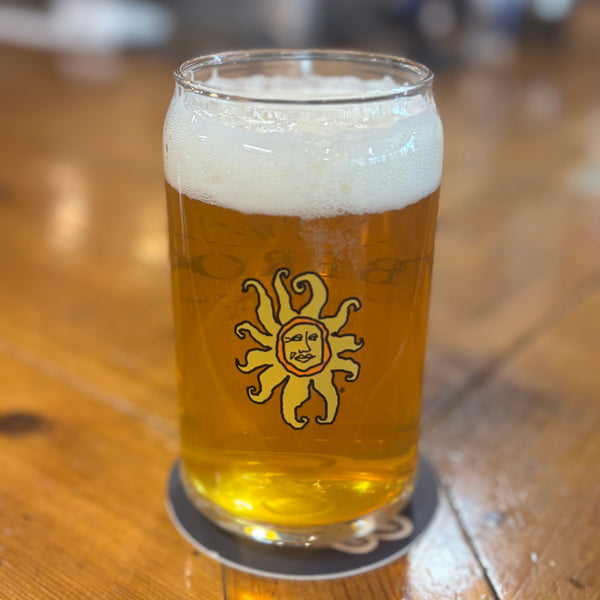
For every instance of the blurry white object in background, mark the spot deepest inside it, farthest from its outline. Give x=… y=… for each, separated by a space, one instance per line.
x=101 y=26
x=551 y=10
x=438 y=19
x=290 y=22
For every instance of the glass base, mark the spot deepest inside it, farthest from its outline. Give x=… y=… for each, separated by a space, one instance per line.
x=314 y=536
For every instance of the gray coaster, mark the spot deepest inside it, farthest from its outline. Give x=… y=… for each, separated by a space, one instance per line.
x=352 y=557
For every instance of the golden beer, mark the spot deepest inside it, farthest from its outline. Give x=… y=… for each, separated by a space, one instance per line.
x=300 y=334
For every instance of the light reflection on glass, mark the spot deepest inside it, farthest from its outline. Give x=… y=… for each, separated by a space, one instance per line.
x=257 y=148
x=242 y=504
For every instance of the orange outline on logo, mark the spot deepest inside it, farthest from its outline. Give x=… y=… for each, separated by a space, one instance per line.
x=326 y=349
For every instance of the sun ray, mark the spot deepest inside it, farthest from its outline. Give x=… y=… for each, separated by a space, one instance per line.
x=268 y=380
x=318 y=290
x=300 y=349
x=264 y=309
x=286 y=312
x=257 y=335
x=254 y=359
x=295 y=393
x=323 y=384
x=345 y=343
x=347 y=365
x=335 y=323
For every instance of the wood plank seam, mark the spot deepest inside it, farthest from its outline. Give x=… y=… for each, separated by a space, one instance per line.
x=577 y=295
x=224 y=581
x=478 y=555
x=564 y=308
x=55 y=371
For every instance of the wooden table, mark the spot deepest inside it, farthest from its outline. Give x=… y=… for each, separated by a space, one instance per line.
x=88 y=427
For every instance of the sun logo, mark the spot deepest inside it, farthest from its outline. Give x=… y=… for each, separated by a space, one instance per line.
x=301 y=349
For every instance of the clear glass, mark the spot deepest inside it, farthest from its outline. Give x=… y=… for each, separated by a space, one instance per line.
x=302 y=191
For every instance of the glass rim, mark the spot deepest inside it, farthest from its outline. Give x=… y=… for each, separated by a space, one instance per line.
x=421 y=85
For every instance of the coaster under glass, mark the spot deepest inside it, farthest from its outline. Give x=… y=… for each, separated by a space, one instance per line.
x=388 y=542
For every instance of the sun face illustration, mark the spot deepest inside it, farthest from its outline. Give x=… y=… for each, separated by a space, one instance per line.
x=300 y=349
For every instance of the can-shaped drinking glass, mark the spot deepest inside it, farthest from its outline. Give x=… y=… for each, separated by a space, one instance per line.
x=302 y=191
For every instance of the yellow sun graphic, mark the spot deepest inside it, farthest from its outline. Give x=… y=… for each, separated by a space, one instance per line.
x=300 y=349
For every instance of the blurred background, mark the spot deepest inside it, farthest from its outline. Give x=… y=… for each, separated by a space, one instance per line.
x=442 y=33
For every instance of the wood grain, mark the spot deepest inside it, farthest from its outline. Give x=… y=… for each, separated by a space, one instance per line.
x=526 y=486
x=518 y=226
x=82 y=499
x=84 y=227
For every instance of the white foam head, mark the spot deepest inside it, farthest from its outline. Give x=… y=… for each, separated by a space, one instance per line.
x=308 y=160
